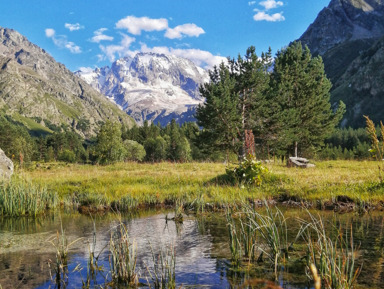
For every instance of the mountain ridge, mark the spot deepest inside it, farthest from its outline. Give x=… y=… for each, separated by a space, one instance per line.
x=348 y=34
x=151 y=86
x=36 y=90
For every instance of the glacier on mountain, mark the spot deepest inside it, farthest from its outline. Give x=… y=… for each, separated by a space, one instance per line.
x=150 y=86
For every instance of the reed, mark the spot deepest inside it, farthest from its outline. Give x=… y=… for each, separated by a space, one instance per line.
x=93 y=268
x=59 y=267
x=333 y=259
x=123 y=257
x=234 y=240
x=21 y=198
x=273 y=233
x=163 y=272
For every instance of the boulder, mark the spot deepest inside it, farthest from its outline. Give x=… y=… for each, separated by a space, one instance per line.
x=299 y=162
x=6 y=166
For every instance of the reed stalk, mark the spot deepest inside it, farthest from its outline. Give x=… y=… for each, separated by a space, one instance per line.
x=123 y=257
x=163 y=273
x=333 y=259
x=234 y=241
x=59 y=267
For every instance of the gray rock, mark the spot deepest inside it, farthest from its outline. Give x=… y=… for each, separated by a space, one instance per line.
x=6 y=166
x=299 y=162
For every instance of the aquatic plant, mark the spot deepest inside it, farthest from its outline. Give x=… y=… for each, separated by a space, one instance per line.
x=333 y=259
x=59 y=267
x=21 y=198
x=123 y=257
x=93 y=268
x=273 y=232
x=234 y=241
x=163 y=272
x=125 y=204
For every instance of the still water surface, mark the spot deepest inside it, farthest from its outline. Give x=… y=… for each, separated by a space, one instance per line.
x=201 y=246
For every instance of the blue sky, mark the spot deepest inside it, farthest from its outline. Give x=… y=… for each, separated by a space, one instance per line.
x=93 y=33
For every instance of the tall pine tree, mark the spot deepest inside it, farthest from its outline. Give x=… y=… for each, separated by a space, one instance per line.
x=299 y=95
x=235 y=101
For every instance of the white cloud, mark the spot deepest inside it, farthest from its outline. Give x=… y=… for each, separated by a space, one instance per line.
x=135 y=25
x=49 y=32
x=61 y=41
x=73 y=27
x=100 y=36
x=86 y=69
x=110 y=51
x=189 y=29
x=251 y=3
x=201 y=58
x=262 y=16
x=271 y=4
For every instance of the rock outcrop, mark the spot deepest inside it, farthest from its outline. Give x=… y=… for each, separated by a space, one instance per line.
x=342 y=21
x=40 y=92
x=6 y=166
x=348 y=34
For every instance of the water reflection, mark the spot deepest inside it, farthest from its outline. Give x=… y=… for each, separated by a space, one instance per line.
x=201 y=246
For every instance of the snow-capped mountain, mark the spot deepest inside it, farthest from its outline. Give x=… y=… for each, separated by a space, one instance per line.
x=149 y=86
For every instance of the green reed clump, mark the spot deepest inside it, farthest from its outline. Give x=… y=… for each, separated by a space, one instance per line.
x=234 y=239
x=59 y=267
x=272 y=231
x=125 y=204
x=163 y=273
x=93 y=268
x=334 y=259
x=253 y=232
x=123 y=257
x=22 y=198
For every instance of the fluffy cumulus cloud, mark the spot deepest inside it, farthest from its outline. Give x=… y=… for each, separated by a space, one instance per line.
x=73 y=27
x=49 y=32
x=135 y=25
x=99 y=35
x=271 y=4
x=262 y=16
x=201 y=58
x=111 y=51
x=61 y=41
x=189 y=29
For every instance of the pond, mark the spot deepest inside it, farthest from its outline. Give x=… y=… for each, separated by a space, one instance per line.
x=200 y=245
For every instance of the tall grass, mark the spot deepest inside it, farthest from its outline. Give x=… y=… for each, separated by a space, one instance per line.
x=59 y=266
x=22 y=198
x=272 y=234
x=234 y=239
x=123 y=257
x=93 y=269
x=333 y=259
x=163 y=272
x=330 y=261
x=131 y=185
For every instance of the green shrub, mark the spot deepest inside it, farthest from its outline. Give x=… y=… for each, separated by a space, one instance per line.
x=248 y=172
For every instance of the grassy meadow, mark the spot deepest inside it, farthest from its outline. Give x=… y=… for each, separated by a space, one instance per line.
x=198 y=184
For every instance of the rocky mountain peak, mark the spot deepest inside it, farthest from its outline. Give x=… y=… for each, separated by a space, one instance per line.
x=345 y=20
x=151 y=86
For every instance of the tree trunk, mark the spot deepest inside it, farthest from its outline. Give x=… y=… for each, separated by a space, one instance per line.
x=295 y=149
